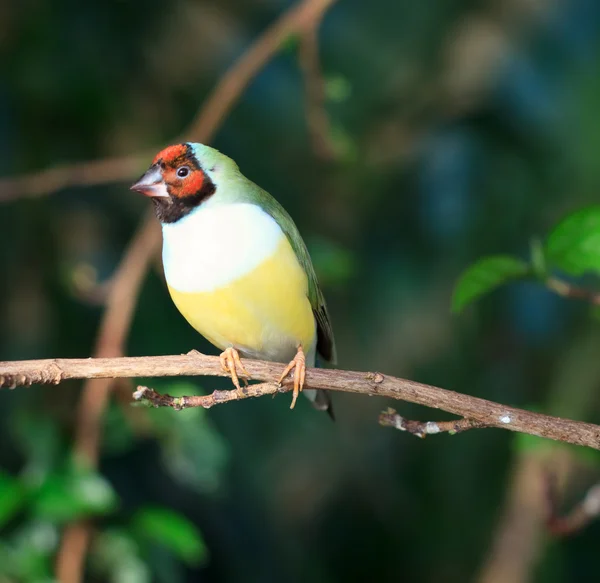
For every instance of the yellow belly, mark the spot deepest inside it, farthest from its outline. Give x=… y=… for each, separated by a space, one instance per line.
x=264 y=313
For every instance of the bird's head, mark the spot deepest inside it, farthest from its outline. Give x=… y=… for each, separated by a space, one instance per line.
x=179 y=179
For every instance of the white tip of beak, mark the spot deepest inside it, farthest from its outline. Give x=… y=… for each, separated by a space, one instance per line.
x=151 y=183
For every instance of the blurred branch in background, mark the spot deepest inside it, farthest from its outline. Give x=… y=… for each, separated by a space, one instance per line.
x=302 y=19
x=128 y=278
x=570 y=291
x=90 y=173
x=579 y=517
x=569 y=248
x=521 y=536
x=478 y=412
x=120 y=306
x=314 y=90
x=516 y=545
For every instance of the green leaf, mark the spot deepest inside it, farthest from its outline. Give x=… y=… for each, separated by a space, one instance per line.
x=27 y=555
x=7 y=560
x=171 y=530
x=116 y=556
x=38 y=438
x=54 y=500
x=118 y=433
x=484 y=276
x=344 y=144
x=76 y=493
x=337 y=88
x=12 y=497
x=538 y=259
x=93 y=492
x=180 y=433
x=290 y=44
x=574 y=244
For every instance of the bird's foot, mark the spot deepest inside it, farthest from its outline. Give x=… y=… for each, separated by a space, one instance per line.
x=232 y=364
x=298 y=363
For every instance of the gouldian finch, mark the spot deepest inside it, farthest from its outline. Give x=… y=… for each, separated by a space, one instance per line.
x=236 y=266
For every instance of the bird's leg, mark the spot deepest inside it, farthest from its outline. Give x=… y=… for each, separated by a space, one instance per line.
x=298 y=363
x=231 y=363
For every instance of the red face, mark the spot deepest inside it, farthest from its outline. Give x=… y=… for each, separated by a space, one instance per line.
x=180 y=171
x=176 y=183
x=174 y=173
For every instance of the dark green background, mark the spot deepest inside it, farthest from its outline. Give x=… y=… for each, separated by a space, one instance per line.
x=462 y=128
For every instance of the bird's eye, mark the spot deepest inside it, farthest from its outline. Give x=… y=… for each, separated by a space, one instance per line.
x=183 y=171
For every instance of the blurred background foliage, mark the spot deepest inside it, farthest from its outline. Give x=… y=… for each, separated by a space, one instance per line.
x=462 y=129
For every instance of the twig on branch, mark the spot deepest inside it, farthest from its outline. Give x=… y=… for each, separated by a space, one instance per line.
x=146 y=395
x=568 y=290
x=578 y=518
x=476 y=410
x=390 y=418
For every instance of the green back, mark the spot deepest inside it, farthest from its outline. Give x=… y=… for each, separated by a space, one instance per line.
x=325 y=341
x=233 y=186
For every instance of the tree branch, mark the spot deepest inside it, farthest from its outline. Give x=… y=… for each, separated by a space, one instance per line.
x=578 y=518
x=389 y=418
x=88 y=173
x=120 y=305
x=314 y=92
x=303 y=16
x=521 y=536
x=479 y=412
x=150 y=397
x=568 y=290
x=515 y=547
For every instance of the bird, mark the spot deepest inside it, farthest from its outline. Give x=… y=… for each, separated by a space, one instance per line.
x=236 y=266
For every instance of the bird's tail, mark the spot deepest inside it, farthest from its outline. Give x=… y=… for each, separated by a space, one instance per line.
x=321 y=400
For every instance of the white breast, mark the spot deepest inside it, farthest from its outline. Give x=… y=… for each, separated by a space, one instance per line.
x=216 y=244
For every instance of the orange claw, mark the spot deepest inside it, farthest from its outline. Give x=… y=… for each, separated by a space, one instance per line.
x=231 y=363
x=298 y=363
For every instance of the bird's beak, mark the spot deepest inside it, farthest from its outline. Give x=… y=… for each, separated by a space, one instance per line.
x=151 y=183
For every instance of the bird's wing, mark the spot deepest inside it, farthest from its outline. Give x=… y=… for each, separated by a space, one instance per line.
x=325 y=341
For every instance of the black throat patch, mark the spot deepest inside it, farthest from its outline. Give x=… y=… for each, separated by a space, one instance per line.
x=172 y=209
